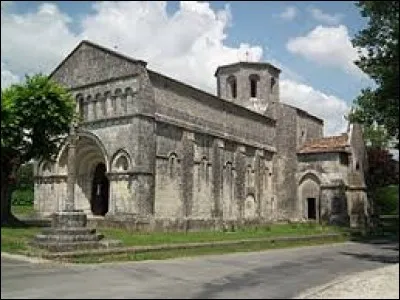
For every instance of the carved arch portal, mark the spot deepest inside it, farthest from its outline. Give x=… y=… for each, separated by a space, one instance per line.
x=92 y=184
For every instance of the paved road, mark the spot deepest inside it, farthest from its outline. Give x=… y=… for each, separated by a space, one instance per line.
x=270 y=274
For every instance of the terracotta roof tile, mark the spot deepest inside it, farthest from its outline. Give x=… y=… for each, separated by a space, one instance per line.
x=325 y=144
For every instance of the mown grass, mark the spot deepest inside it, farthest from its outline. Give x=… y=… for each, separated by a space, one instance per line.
x=16 y=240
x=209 y=250
x=156 y=238
x=22 y=210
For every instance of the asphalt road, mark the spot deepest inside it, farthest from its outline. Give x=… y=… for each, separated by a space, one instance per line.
x=270 y=274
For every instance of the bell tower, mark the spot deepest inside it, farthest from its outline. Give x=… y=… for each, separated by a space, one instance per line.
x=254 y=85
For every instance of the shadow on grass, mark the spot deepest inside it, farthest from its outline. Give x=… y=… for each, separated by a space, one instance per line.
x=14 y=222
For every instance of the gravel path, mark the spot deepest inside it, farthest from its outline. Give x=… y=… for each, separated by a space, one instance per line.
x=382 y=283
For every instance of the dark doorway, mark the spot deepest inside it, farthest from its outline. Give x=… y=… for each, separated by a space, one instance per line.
x=311 y=208
x=100 y=191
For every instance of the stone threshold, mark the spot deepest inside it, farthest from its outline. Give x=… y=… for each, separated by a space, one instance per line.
x=143 y=249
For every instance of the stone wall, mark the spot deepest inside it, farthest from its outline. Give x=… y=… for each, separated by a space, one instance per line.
x=285 y=163
x=293 y=128
x=50 y=194
x=116 y=103
x=87 y=65
x=195 y=110
x=213 y=157
x=331 y=169
x=267 y=78
x=308 y=127
x=202 y=177
x=331 y=165
x=359 y=205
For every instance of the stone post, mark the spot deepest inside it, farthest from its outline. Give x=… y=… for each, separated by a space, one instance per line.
x=70 y=201
x=68 y=231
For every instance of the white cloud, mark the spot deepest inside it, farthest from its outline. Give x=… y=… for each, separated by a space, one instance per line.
x=35 y=42
x=5 y=3
x=327 y=107
x=188 y=45
x=289 y=13
x=320 y=16
x=330 y=46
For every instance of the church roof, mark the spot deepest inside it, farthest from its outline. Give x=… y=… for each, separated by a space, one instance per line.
x=101 y=48
x=326 y=144
x=247 y=64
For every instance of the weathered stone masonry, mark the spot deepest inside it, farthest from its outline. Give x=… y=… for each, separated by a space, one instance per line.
x=152 y=148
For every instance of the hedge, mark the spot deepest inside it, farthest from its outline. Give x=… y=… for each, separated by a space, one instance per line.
x=22 y=197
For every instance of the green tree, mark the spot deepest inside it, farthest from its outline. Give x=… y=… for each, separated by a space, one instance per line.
x=379 y=58
x=23 y=188
x=376 y=136
x=35 y=115
x=25 y=176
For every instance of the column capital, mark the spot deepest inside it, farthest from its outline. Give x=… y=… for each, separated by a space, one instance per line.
x=189 y=135
x=220 y=143
x=241 y=149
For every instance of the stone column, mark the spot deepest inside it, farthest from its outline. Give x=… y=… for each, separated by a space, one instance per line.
x=69 y=216
x=240 y=166
x=70 y=201
x=218 y=162
x=187 y=174
x=259 y=188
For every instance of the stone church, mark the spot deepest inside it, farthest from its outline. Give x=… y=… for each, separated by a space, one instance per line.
x=159 y=153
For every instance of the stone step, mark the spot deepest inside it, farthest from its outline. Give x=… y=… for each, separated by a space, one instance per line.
x=69 y=231
x=68 y=237
x=67 y=246
x=107 y=243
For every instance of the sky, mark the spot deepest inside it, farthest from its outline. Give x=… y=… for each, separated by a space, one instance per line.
x=310 y=41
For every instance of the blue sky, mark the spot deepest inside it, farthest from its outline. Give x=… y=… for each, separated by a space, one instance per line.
x=308 y=40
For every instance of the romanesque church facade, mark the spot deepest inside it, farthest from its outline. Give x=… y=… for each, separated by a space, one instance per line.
x=154 y=149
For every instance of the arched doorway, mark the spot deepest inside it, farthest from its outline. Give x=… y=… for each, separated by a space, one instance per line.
x=91 y=162
x=100 y=191
x=309 y=194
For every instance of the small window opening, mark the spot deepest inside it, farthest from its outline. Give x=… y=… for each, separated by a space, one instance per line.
x=233 y=89
x=272 y=83
x=232 y=86
x=253 y=88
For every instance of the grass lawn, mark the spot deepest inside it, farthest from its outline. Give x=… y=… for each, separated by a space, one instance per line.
x=219 y=249
x=15 y=240
x=22 y=210
x=156 y=238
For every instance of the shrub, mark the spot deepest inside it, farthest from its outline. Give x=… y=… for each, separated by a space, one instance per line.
x=22 y=197
x=387 y=200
